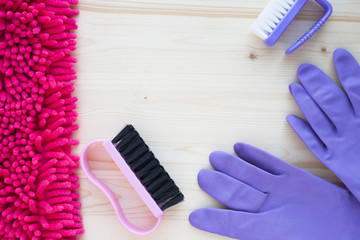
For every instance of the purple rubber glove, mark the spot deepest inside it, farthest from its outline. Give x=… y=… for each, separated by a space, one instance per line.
x=270 y=199
x=332 y=132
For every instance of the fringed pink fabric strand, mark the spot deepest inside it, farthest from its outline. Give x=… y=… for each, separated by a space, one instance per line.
x=37 y=115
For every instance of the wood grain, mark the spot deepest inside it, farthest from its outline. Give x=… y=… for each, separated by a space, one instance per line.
x=192 y=79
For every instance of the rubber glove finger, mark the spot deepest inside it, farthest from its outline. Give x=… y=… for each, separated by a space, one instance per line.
x=230 y=192
x=330 y=98
x=307 y=135
x=314 y=115
x=262 y=159
x=230 y=223
x=348 y=71
x=237 y=168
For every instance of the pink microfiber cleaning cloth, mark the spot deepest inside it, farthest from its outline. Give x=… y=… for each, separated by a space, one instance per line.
x=37 y=115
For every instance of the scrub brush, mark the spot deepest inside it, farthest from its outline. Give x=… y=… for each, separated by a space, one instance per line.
x=278 y=15
x=143 y=171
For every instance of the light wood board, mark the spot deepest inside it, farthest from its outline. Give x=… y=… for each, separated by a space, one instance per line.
x=192 y=79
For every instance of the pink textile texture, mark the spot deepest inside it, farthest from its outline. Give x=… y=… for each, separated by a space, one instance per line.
x=37 y=115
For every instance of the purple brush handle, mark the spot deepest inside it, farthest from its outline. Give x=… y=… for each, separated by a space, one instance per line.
x=284 y=24
x=328 y=11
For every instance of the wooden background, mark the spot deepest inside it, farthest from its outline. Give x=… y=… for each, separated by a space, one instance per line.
x=192 y=79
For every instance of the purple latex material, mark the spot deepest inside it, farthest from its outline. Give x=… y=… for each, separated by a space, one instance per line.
x=284 y=24
x=332 y=130
x=271 y=199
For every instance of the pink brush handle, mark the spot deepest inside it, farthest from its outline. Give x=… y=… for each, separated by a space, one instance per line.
x=129 y=174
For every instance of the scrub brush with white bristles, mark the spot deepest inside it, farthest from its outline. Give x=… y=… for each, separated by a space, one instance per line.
x=278 y=15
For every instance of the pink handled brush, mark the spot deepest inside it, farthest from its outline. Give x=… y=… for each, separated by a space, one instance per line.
x=143 y=171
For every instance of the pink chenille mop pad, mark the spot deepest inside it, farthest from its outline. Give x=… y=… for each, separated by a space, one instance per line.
x=37 y=115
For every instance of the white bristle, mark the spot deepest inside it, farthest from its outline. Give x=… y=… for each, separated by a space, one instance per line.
x=270 y=17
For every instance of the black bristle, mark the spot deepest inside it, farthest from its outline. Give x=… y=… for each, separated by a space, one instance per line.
x=126 y=145
x=136 y=155
x=132 y=146
x=138 y=165
x=147 y=168
x=169 y=192
x=150 y=177
x=163 y=190
x=173 y=201
x=122 y=133
x=157 y=183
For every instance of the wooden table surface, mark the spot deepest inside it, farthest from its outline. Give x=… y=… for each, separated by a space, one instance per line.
x=192 y=79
